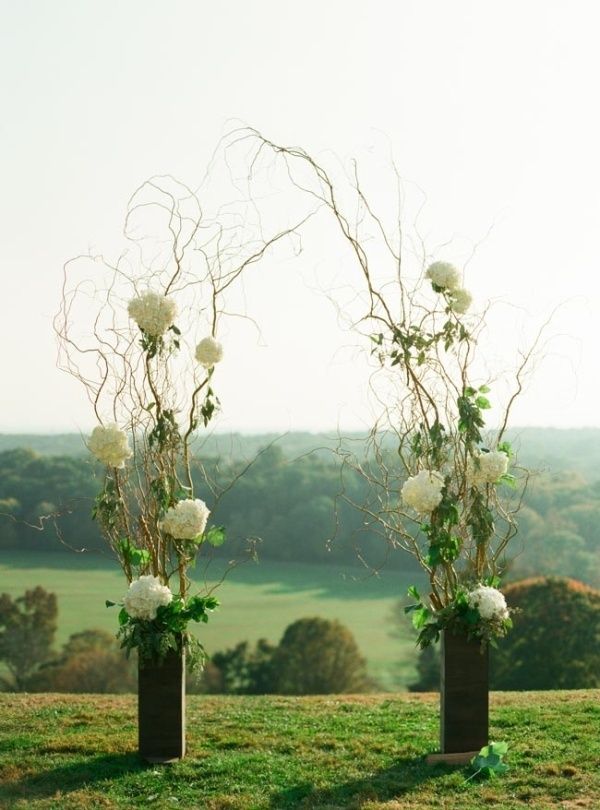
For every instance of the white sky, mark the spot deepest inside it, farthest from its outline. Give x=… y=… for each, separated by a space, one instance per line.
x=491 y=107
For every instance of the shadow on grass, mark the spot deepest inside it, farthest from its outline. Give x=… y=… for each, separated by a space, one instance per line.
x=66 y=778
x=404 y=776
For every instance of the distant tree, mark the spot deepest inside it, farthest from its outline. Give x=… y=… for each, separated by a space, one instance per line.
x=555 y=642
x=90 y=662
x=27 y=630
x=241 y=670
x=35 y=486
x=314 y=657
x=317 y=657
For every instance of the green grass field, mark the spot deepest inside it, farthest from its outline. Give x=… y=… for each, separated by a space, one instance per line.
x=276 y=753
x=258 y=600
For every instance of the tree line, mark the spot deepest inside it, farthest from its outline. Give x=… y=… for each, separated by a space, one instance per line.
x=300 y=510
x=314 y=656
x=555 y=644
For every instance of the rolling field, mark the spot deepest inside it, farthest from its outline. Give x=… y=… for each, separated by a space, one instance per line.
x=258 y=600
x=279 y=753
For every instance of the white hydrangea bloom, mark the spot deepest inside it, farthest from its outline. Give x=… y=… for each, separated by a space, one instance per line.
x=490 y=602
x=423 y=491
x=186 y=520
x=460 y=301
x=145 y=596
x=487 y=468
x=154 y=313
x=445 y=275
x=209 y=352
x=109 y=444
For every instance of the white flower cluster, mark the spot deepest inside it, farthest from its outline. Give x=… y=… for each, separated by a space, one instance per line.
x=186 y=520
x=109 y=444
x=446 y=276
x=486 y=468
x=460 y=301
x=153 y=313
x=145 y=596
x=490 y=602
x=423 y=491
x=209 y=352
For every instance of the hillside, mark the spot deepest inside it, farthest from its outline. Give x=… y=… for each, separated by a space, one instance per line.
x=277 y=753
x=553 y=449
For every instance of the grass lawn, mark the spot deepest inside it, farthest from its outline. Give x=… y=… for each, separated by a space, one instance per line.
x=320 y=753
x=259 y=599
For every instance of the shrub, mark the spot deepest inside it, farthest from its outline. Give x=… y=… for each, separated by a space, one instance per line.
x=27 y=629
x=318 y=657
x=555 y=643
x=241 y=670
x=314 y=657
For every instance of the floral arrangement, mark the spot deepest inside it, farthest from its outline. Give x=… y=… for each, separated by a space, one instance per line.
x=140 y=335
x=164 y=538
x=442 y=486
x=454 y=498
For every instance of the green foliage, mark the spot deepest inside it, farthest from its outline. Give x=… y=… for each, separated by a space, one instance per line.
x=241 y=670
x=209 y=406
x=480 y=519
x=470 y=421
x=457 y=617
x=318 y=656
x=488 y=762
x=215 y=536
x=137 y=557
x=151 y=344
x=557 y=526
x=315 y=656
x=168 y=631
x=107 y=505
x=165 y=432
x=555 y=640
x=162 y=489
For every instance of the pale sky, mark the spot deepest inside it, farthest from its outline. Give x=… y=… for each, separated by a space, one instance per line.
x=490 y=107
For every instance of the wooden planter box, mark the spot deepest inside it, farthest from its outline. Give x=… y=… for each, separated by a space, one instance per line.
x=464 y=695
x=161 y=708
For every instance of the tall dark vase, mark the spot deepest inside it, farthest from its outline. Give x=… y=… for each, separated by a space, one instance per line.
x=464 y=692
x=161 y=708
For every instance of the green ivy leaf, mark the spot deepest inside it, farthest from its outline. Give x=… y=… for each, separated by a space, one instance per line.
x=412 y=591
x=420 y=617
x=132 y=555
x=215 y=536
x=488 y=762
